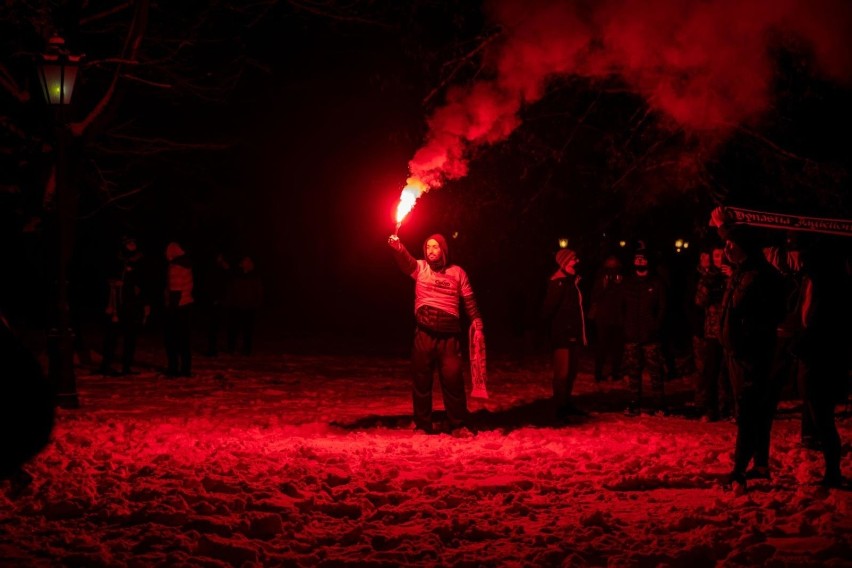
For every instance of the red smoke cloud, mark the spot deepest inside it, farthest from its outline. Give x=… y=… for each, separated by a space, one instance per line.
x=705 y=65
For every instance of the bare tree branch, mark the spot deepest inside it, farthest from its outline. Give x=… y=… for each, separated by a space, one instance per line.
x=131 y=49
x=8 y=84
x=105 y=14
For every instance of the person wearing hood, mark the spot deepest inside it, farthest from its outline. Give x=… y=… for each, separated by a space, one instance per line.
x=439 y=289
x=752 y=308
x=563 y=309
x=178 y=303
x=128 y=308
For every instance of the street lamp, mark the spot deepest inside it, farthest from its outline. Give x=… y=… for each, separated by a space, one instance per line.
x=57 y=70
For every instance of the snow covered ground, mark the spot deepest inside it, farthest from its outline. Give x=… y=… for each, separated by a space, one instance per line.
x=285 y=460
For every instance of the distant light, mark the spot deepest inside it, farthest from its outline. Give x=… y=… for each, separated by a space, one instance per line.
x=679 y=244
x=563 y=243
x=686 y=244
x=622 y=244
x=455 y=234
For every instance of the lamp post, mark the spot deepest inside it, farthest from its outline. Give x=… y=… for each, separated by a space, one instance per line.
x=58 y=73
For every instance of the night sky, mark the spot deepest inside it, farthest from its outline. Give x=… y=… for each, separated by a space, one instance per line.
x=293 y=127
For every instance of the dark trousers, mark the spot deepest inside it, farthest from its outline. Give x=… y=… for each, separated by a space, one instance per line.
x=565 y=366
x=130 y=331
x=177 y=322
x=609 y=349
x=240 y=325
x=756 y=401
x=439 y=352
x=714 y=394
x=215 y=316
x=639 y=357
x=820 y=396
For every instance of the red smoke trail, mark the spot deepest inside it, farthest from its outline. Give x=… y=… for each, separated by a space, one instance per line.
x=704 y=65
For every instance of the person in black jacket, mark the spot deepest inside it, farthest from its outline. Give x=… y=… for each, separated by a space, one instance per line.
x=607 y=315
x=563 y=308
x=823 y=348
x=714 y=395
x=644 y=305
x=752 y=308
x=439 y=288
x=244 y=299
x=128 y=307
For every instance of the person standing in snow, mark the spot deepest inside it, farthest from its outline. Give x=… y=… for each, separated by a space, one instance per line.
x=439 y=288
x=563 y=308
x=127 y=308
x=752 y=308
x=244 y=299
x=823 y=348
x=608 y=318
x=644 y=305
x=178 y=304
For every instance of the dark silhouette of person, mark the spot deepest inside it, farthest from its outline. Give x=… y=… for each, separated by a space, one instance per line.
x=218 y=283
x=245 y=297
x=786 y=367
x=714 y=396
x=27 y=406
x=644 y=306
x=563 y=310
x=177 y=315
x=128 y=307
x=607 y=315
x=439 y=288
x=752 y=308
x=823 y=348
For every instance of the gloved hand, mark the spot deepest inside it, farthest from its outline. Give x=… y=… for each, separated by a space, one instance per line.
x=395 y=243
x=718 y=217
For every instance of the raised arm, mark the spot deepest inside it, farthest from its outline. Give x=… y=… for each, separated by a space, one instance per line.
x=404 y=260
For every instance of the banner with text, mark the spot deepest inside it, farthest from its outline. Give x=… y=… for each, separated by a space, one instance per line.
x=790 y=222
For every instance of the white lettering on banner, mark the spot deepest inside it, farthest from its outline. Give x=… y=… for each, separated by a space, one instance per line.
x=791 y=222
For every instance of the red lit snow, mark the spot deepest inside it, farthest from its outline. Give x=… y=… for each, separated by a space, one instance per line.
x=305 y=461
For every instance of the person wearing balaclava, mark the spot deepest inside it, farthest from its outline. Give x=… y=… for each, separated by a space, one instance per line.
x=644 y=305
x=563 y=310
x=752 y=308
x=439 y=289
x=178 y=304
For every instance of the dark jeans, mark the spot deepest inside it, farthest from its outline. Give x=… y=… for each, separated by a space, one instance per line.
x=215 y=317
x=639 y=357
x=756 y=400
x=821 y=375
x=240 y=323
x=129 y=329
x=566 y=363
x=609 y=348
x=714 y=394
x=441 y=352
x=177 y=322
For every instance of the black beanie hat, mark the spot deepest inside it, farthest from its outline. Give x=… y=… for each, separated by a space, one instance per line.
x=445 y=251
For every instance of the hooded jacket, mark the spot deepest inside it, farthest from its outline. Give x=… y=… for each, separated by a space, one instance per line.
x=437 y=289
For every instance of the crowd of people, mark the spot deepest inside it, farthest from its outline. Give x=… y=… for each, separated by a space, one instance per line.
x=764 y=318
x=232 y=293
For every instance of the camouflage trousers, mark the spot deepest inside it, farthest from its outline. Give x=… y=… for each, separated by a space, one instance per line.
x=639 y=357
